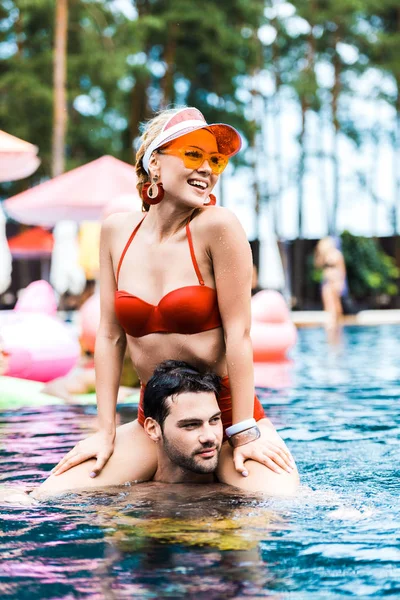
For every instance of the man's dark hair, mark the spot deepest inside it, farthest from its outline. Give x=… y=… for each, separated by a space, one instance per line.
x=173 y=377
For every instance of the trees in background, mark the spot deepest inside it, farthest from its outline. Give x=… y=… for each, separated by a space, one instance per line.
x=93 y=66
x=330 y=47
x=120 y=69
x=60 y=108
x=384 y=52
x=127 y=60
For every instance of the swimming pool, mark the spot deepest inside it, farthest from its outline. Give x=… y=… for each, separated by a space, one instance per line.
x=339 y=539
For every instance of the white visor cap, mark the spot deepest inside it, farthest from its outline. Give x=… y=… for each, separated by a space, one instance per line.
x=190 y=119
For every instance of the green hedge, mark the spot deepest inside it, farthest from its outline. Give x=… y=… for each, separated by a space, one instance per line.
x=370 y=271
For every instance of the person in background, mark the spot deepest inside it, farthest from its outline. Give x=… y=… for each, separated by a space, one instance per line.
x=175 y=283
x=329 y=259
x=82 y=380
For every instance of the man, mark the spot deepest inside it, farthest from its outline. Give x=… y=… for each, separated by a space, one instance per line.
x=183 y=418
x=184 y=421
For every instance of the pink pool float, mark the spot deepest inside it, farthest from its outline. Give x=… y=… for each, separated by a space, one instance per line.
x=38 y=297
x=273 y=333
x=40 y=346
x=89 y=319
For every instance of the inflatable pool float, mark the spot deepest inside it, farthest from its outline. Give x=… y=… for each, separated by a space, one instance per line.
x=40 y=346
x=273 y=333
x=273 y=375
x=89 y=314
x=18 y=393
x=37 y=297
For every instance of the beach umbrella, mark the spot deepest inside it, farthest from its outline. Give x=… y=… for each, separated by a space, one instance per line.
x=32 y=243
x=78 y=195
x=5 y=256
x=17 y=158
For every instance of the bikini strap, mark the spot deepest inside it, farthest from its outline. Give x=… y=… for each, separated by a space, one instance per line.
x=192 y=254
x=128 y=243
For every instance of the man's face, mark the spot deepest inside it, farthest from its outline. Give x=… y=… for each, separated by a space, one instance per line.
x=192 y=432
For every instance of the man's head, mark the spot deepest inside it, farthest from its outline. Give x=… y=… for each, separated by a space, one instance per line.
x=182 y=415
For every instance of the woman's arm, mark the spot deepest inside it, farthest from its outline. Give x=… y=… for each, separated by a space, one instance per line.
x=109 y=354
x=232 y=264
x=110 y=338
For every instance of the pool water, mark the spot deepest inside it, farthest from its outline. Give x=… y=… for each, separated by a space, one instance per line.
x=338 y=539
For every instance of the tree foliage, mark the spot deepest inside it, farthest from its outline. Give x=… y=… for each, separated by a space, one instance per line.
x=321 y=50
x=121 y=70
x=123 y=66
x=370 y=270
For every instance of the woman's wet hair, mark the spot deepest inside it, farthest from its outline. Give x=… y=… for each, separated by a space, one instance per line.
x=173 y=377
x=150 y=131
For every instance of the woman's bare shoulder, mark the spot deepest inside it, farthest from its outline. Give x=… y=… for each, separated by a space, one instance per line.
x=218 y=225
x=334 y=255
x=218 y=218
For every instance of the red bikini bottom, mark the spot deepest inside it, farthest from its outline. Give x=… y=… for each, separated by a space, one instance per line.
x=224 y=403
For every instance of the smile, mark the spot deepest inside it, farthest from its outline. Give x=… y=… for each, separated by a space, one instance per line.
x=197 y=183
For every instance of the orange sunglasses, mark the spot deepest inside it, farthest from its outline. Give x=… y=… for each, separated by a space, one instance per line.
x=194 y=157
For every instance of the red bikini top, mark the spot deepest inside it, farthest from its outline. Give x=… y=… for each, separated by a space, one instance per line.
x=190 y=309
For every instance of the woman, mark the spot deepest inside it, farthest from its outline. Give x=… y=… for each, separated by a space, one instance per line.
x=175 y=284
x=328 y=258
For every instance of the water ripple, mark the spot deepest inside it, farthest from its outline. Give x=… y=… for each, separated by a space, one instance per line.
x=338 y=539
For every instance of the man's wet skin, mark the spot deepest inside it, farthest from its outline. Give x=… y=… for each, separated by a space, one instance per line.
x=187 y=446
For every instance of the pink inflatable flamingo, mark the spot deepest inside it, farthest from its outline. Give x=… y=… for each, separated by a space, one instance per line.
x=273 y=334
x=40 y=346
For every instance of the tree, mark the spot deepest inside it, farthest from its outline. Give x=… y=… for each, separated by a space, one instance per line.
x=120 y=70
x=93 y=71
x=60 y=101
x=26 y=75
x=384 y=49
x=195 y=54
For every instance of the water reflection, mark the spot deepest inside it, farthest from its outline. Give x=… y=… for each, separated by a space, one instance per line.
x=194 y=540
x=147 y=540
x=340 y=538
